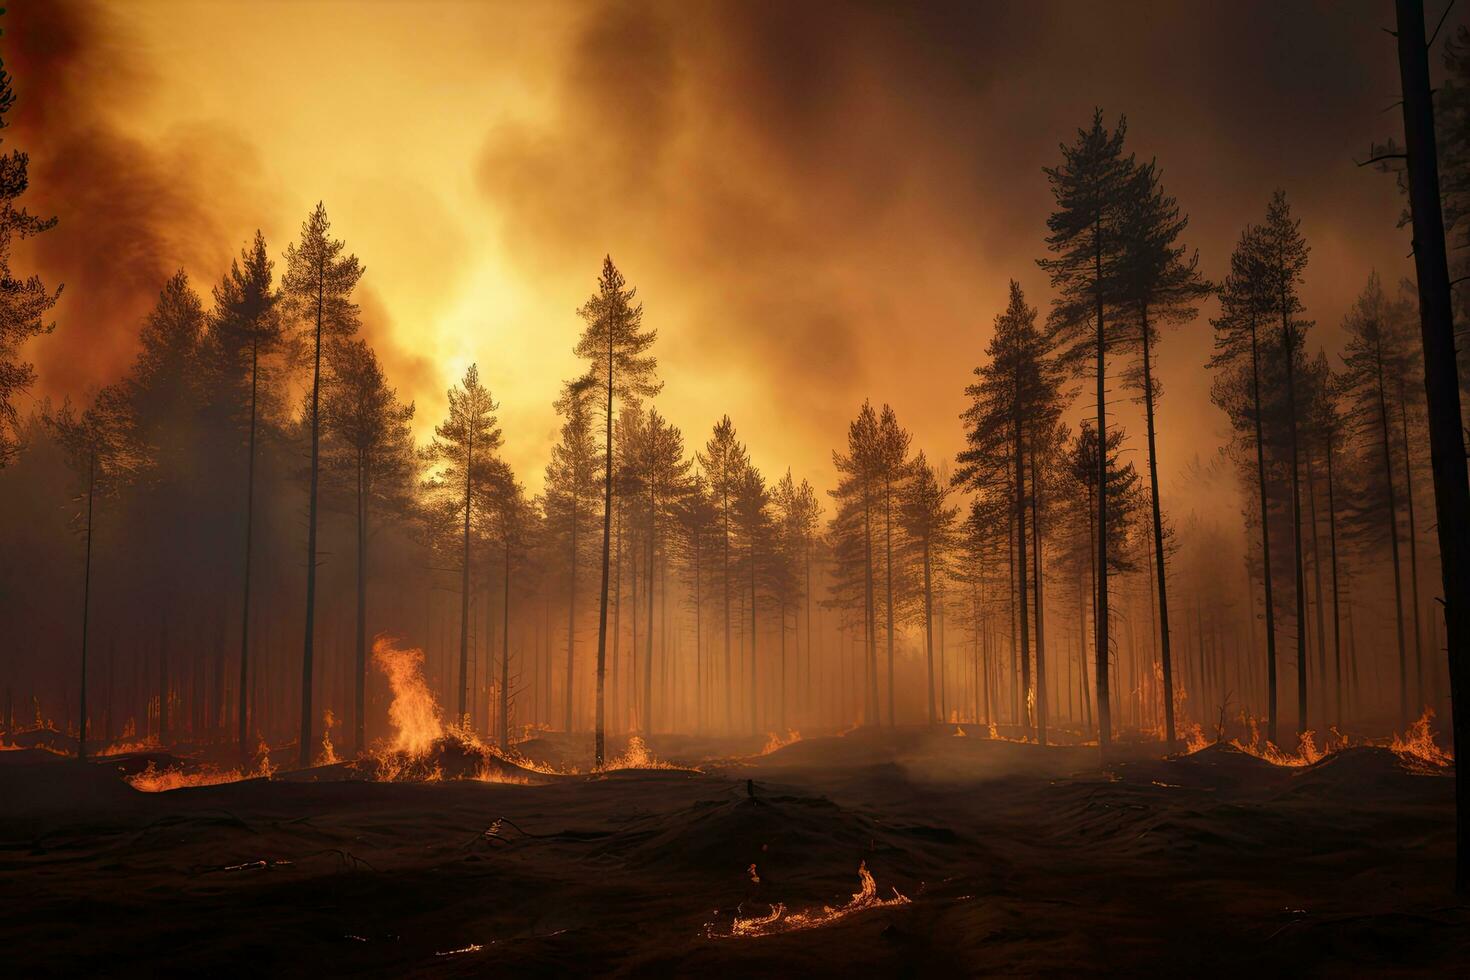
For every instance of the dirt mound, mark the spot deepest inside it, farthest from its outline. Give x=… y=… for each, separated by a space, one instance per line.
x=1350 y=773
x=783 y=836
x=449 y=757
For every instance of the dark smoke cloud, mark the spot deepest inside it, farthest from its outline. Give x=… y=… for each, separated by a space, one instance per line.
x=833 y=195
x=131 y=212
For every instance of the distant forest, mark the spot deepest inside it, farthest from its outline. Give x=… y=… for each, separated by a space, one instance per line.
x=208 y=548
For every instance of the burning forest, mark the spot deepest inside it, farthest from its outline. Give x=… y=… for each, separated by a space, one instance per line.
x=929 y=489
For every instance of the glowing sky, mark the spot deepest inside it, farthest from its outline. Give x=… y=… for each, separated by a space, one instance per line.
x=818 y=202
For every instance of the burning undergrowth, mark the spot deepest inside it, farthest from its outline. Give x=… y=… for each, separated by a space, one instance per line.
x=423 y=747
x=178 y=774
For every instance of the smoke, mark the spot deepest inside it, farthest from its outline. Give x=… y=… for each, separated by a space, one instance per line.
x=824 y=202
x=132 y=210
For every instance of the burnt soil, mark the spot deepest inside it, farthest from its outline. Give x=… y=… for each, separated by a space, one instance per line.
x=1018 y=860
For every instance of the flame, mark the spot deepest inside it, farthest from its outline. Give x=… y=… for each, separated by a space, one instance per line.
x=1417 y=748
x=155 y=780
x=1307 y=752
x=1194 y=739
x=329 y=754
x=637 y=756
x=959 y=732
x=413 y=713
x=779 y=920
x=775 y=741
x=128 y=746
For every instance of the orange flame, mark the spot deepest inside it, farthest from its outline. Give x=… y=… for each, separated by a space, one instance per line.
x=779 y=920
x=1417 y=748
x=413 y=713
x=775 y=741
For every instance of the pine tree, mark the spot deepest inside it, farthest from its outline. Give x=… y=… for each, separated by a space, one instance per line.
x=515 y=524
x=929 y=521
x=1014 y=406
x=318 y=286
x=750 y=505
x=1376 y=355
x=1284 y=260
x=463 y=454
x=101 y=448
x=616 y=346
x=24 y=303
x=245 y=327
x=1085 y=236
x=858 y=485
x=570 y=485
x=369 y=448
x=891 y=471
x=1245 y=305
x=724 y=462
x=1159 y=282
x=664 y=476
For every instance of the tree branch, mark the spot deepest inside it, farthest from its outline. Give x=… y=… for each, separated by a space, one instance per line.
x=1381 y=157
x=1442 y=17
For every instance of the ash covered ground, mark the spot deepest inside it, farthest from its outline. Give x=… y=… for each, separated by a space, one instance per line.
x=1014 y=858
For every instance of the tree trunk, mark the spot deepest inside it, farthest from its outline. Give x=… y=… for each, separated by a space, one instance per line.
x=464 y=582
x=359 y=682
x=86 y=602
x=1413 y=545
x=1165 y=654
x=1393 y=540
x=304 y=748
x=1036 y=505
x=599 y=739
x=1441 y=384
x=929 y=627
x=1104 y=705
x=648 y=644
x=1288 y=346
x=241 y=711
x=1265 y=540
x=505 y=653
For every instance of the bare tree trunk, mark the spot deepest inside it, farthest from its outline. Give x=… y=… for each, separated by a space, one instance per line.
x=359 y=700
x=1413 y=544
x=241 y=711
x=1288 y=344
x=1104 y=706
x=505 y=653
x=1441 y=384
x=464 y=582
x=599 y=739
x=1265 y=540
x=1393 y=540
x=304 y=748
x=86 y=602
x=1161 y=579
x=1036 y=505
x=929 y=626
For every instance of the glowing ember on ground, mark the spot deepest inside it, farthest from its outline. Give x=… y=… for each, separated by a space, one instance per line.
x=131 y=746
x=779 y=920
x=959 y=732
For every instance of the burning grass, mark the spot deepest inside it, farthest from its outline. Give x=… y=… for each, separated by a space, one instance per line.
x=1418 y=750
x=155 y=780
x=779 y=920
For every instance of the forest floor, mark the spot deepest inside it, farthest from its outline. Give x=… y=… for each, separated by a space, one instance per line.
x=1016 y=859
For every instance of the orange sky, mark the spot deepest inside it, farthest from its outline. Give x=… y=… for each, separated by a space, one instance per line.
x=818 y=203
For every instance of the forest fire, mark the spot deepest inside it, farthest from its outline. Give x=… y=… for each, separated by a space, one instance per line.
x=475 y=478
x=779 y=920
